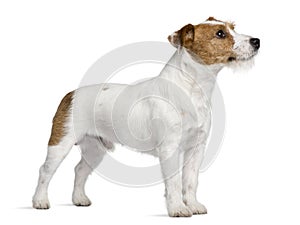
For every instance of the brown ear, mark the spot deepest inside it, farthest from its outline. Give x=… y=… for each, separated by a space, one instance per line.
x=183 y=37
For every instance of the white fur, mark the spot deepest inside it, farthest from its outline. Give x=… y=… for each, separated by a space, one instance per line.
x=213 y=22
x=242 y=48
x=94 y=116
x=55 y=156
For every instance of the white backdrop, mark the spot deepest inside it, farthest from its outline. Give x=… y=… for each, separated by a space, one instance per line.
x=46 y=47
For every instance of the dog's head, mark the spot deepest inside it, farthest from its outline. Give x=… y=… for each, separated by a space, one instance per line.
x=215 y=42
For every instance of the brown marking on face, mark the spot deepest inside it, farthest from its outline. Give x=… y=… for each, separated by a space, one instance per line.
x=203 y=43
x=231 y=25
x=210 y=48
x=59 y=121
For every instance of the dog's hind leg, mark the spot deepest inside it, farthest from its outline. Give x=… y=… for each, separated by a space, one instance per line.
x=55 y=156
x=61 y=141
x=93 y=150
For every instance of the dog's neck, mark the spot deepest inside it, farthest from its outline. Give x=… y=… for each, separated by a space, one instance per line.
x=189 y=74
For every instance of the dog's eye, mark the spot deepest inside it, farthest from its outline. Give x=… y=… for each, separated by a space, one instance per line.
x=221 y=34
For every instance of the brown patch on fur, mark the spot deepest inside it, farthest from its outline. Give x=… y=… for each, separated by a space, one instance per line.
x=211 y=18
x=208 y=47
x=60 y=118
x=231 y=25
x=201 y=40
x=182 y=37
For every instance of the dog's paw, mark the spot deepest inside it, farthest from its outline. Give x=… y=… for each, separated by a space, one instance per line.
x=197 y=208
x=179 y=211
x=41 y=204
x=81 y=200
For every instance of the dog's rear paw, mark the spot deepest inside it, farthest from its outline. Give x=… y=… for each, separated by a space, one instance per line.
x=41 y=204
x=81 y=200
x=179 y=211
x=197 y=208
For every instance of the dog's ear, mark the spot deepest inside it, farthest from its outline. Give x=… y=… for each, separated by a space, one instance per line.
x=183 y=37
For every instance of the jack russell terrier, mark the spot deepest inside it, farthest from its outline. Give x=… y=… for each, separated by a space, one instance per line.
x=202 y=51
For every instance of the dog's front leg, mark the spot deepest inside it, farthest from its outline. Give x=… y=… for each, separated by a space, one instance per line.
x=192 y=162
x=169 y=161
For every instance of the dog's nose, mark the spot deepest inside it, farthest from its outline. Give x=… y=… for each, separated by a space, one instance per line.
x=255 y=42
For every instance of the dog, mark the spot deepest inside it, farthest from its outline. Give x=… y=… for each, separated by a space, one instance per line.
x=201 y=52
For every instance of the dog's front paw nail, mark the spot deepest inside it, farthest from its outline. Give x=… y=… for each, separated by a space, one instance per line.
x=197 y=208
x=179 y=211
x=81 y=200
x=41 y=204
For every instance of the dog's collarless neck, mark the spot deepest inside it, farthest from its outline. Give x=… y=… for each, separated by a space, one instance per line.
x=189 y=74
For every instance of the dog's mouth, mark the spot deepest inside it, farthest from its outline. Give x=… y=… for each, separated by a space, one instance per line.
x=243 y=58
x=231 y=59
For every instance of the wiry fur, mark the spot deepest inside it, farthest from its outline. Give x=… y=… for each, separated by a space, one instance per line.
x=87 y=120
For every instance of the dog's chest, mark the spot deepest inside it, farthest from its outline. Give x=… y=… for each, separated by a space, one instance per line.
x=196 y=119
